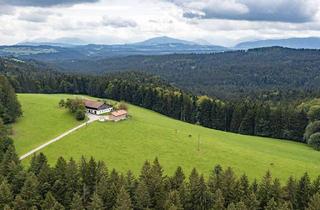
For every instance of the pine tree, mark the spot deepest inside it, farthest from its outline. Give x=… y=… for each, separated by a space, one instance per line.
x=303 y=191
x=76 y=203
x=50 y=203
x=271 y=205
x=72 y=181
x=276 y=190
x=290 y=192
x=20 y=203
x=265 y=190
x=284 y=206
x=215 y=179
x=6 y=196
x=142 y=197
x=173 y=201
x=229 y=186
x=178 y=179
x=123 y=200
x=251 y=202
x=218 y=201
x=96 y=203
x=7 y=207
x=314 y=203
x=37 y=162
x=30 y=192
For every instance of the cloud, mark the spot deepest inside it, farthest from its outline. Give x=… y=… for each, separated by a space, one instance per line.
x=38 y=16
x=118 y=22
x=6 y=10
x=44 y=3
x=291 y=11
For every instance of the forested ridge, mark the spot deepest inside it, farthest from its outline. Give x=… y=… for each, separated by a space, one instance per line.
x=279 y=120
x=274 y=71
x=90 y=184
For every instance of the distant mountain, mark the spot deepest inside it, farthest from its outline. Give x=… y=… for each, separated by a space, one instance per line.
x=69 y=48
x=297 y=43
x=164 y=40
x=60 y=42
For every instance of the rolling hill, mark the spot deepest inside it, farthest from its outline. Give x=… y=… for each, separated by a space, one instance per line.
x=297 y=43
x=146 y=135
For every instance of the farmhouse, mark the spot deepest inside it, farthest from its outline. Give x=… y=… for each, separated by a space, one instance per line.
x=119 y=115
x=97 y=107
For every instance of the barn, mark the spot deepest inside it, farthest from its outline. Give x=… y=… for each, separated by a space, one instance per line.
x=97 y=107
x=119 y=115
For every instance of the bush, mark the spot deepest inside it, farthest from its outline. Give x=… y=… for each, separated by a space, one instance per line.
x=80 y=114
x=122 y=105
x=314 y=141
x=314 y=113
x=312 y=128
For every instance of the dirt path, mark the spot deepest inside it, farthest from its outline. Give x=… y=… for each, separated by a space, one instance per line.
x=92 y=118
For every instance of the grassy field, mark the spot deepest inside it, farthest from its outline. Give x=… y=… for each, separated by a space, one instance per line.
x=42 y=120
x=146 y=135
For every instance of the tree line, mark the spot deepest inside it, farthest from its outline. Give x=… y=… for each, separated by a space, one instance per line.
x=281 y=120
x=89 y=184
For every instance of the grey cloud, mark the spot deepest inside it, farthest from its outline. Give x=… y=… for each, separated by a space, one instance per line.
x=35 y=16
x=44 y=3
x=6 y=10
x=292 y=11
x=118 y=22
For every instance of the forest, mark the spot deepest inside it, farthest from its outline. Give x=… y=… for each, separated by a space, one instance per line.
x=90 y=184
x=265 y=72
x=282 y=120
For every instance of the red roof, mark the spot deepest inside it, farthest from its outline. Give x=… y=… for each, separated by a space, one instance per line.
x=119 y=113
x=92 y=104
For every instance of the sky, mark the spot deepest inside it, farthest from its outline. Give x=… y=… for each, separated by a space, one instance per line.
x=221 y=22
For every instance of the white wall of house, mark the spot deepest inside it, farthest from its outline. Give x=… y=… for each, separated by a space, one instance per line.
x=98 y=112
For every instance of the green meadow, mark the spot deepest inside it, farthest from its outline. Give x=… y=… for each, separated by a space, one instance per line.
x=126 y=145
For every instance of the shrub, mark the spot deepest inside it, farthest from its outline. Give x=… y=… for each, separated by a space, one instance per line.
x=80 y=114
x=312 y=128
x=314 y=113
x=314 y=141
x=122 y=105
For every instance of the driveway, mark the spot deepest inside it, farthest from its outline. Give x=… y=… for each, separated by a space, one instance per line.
x=91 y=119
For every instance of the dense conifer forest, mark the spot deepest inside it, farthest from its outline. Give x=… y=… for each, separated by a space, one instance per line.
x=274 y=72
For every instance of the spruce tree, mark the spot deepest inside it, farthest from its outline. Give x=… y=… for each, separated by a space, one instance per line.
x=314 y=203
x=30 y=191
x=123 y=200
x=303 y=191
x=20 y=203
x=173 y=201
x=50 y=203
x=290 y=192
x=142 y=198
x=265 y=191
x=218 y=201
x=76 y=203
x=177 y=179
x=96 y=203
x=271 y=205
x=6 y=196
x=251 y=202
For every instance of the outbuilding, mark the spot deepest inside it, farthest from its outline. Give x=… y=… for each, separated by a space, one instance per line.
x=119 y=115
x=97 y=107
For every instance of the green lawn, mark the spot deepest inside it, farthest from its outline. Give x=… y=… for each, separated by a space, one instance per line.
x=146 y=135
x=42 y=120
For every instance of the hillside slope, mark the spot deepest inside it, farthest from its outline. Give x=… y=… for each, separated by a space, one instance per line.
x=226 y=75
x=146 y=135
